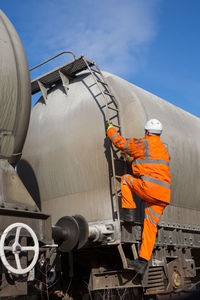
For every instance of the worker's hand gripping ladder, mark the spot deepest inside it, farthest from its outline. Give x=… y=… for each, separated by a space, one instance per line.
x=112 y=114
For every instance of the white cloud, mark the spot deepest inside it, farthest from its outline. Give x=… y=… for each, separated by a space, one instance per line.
x=115 y=33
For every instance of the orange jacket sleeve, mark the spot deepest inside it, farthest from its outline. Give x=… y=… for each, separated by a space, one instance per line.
x=116 y=139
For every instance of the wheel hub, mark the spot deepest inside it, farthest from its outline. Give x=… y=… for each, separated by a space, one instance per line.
x=17 y=249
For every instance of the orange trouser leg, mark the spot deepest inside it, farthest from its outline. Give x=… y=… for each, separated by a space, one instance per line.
x=130 y=184
x=153 y=212
x=151 y=220
x=126 y=189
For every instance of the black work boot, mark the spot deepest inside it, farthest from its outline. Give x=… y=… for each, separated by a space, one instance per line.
x=139 y=265
x=128 y=214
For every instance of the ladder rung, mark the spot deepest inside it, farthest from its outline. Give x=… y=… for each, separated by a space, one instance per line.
x=106 y=93
x=116 y=176
x=102 y=82
x=109 y=102
x=115 y=109
x=115 y=125
x=117 y=193
x=96 y=71
x=116 y=150
x=113 y=117
x=119 y=159
x=103 y=106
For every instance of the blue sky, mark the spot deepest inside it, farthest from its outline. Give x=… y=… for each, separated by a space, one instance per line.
x=154 y=44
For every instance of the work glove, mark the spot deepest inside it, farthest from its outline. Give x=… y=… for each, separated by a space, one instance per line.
x=109 y=125
x=126 y=157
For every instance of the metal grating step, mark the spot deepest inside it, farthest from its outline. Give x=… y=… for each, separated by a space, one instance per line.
x=155 y=279
x=70 y=70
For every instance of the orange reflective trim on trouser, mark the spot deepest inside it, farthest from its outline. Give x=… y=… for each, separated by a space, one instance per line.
x=126 y=189
x=152 y=215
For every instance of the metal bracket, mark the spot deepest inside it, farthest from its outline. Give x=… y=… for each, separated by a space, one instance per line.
x=134 y=251
x=43 y=90
x=65 y=81
x=115 y=279
x=122 y=255
x=102 y=232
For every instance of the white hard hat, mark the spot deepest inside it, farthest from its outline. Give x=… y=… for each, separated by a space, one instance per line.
x=154 y=126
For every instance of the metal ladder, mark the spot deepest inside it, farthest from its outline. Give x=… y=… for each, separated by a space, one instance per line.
x=112 y=114
x=112 y=105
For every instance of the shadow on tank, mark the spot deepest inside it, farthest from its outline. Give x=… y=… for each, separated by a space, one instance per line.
x=28 y=178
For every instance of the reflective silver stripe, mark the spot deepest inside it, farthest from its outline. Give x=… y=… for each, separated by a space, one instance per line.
x=126 y=146
x=146 y=148
x=156 y=181
x=124 y=182
x=150 y=161
x=155 y=214
x=131 y=180
x=151 y=220
x=114 y=135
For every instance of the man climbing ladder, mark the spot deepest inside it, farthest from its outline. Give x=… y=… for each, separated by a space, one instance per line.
x=151 y=181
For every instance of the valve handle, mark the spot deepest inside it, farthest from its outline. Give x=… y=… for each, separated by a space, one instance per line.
x=16 y=248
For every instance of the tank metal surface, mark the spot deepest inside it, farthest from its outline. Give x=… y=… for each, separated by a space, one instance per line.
x=15 y=96
x=67 y=151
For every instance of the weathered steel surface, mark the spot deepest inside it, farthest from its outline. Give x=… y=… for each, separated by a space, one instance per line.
x=67 y=152
x=13 y=193
x=14 y=92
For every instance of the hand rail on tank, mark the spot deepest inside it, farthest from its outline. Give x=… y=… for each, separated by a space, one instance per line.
x=46 y=61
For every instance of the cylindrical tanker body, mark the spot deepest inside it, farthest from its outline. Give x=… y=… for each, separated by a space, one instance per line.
x=66 y=149
x=15 y=93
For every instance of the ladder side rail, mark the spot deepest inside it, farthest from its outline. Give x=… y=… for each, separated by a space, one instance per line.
x=117 y=105
x=107 y=115
x=114 y=179
x=115 y=99
x=114 y=191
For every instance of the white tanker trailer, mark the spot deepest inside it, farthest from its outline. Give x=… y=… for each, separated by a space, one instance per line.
x=72 y=173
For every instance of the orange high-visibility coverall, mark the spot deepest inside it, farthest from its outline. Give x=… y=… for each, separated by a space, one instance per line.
x=151 y=181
